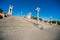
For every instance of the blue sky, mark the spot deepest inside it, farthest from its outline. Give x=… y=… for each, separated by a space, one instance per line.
x=48 y=7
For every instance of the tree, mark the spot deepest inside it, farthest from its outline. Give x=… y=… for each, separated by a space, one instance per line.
x=33 y=17
x=1 y=10
x=1 y=16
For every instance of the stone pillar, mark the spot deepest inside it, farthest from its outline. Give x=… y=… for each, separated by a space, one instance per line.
x=56 y=23
x=48 y=22
x=37 y=10
x=51 y=20
x=43 y=20
x=21 y=13
x=10 y=10
x=29 y=15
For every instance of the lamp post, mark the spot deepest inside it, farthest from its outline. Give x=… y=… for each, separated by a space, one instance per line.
x=37 y=10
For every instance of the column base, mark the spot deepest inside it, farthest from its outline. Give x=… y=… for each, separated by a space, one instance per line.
x=37 y=23
x=9 y=14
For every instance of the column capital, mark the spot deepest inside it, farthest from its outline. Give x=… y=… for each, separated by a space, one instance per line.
x=37 y=9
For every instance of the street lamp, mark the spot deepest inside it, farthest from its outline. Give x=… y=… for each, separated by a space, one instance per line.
x=37 y=10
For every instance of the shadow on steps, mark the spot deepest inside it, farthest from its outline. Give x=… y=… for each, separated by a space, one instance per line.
x=1 y=36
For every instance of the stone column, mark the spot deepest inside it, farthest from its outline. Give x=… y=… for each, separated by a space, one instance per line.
x=10 y=10
x=51 y=20
x=21 y=13
x=29 y=15
x=37 y=10
x=56 y=22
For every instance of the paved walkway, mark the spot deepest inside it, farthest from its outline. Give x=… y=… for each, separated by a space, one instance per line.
x=15 y=28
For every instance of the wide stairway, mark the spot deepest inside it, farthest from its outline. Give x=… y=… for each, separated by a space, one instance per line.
x=20 y=28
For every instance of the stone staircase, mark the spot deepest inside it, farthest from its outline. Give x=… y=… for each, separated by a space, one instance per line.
x=17 y=28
